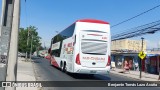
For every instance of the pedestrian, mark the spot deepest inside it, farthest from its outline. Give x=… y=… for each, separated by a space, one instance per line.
x=126 y=66
x=136 y=66
x=130 y=64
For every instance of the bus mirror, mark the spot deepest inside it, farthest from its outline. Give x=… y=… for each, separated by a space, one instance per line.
x=49 y=50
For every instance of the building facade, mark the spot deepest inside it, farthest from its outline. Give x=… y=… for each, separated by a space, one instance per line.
x=127 y=50
x=130 y=45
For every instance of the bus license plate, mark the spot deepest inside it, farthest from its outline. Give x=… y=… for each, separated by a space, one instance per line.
x=92 y=71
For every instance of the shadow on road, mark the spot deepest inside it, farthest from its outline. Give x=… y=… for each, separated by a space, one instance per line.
x=89 y=76
x=75 y=75
x=86 y=76
x=36 y=60
x=36 y=57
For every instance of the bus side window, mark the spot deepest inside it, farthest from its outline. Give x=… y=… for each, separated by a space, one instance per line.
x=49 y=50
x=56 y=54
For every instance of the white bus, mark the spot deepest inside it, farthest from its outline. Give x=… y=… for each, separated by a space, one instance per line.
x=83 y=47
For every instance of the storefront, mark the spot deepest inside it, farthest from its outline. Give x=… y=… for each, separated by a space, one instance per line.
x=131 y=58
x=152 y=63
x=117 y=59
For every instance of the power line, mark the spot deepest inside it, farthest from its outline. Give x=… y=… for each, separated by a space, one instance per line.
x=150 y=28
x=135 y=16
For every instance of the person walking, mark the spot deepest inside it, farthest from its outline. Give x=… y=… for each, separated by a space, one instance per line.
x=126 y=66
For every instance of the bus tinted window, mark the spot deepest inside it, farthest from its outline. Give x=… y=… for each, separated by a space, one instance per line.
x=68 y=32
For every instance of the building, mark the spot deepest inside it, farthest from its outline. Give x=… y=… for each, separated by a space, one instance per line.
x=127 y=50
x=153 y=60
x=153 y=51
x=128 y=45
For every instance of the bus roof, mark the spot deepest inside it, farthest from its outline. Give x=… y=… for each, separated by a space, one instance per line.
x=92 y=21
x=89 y=21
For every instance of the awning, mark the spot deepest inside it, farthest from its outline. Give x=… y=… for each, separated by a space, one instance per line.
x=152 y=55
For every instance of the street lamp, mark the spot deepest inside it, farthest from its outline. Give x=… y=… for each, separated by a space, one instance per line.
x=142 y=43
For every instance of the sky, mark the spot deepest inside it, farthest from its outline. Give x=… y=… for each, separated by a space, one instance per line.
x=50 y=16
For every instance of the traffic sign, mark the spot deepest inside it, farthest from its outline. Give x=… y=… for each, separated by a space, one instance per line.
x=142 y=55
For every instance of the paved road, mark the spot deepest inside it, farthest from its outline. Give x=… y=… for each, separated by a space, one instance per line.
x=45 y=72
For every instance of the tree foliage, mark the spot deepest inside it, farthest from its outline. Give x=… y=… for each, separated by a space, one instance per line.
x=33 y=37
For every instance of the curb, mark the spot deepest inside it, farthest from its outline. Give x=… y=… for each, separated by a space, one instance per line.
x=125 y=76
x=117 y=73
x=35 y=74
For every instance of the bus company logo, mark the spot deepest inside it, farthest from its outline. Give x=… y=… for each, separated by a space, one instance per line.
x=93 y=58
x=69 y=44
x=71 y=49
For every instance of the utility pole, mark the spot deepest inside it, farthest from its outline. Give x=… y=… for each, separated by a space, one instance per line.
x=6 y=25
x=31 y=47
x=5 y=35
x=141 y=59
x=13 y=47
x=27 y=41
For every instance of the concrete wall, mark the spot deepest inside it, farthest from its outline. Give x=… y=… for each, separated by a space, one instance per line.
x=128 y=44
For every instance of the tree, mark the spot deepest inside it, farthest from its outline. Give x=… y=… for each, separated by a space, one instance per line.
x=33 y=37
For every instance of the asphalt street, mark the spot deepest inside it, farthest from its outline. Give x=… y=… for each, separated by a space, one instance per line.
x=45 y=72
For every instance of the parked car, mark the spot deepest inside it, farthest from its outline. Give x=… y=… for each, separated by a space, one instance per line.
x=23 y=55
x=20 y=54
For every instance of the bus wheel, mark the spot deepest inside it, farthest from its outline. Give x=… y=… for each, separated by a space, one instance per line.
x=91 y=75
x=64 y=67
x=61 y=66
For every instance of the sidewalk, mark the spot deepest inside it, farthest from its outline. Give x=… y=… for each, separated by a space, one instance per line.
x=135 y=75
x=25 y=72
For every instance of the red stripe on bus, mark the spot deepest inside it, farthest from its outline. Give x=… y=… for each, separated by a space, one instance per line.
x=94 y=34
x=92 y=21
x=53 y=62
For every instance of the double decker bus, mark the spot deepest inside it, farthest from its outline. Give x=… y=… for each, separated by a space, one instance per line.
x=83 y=47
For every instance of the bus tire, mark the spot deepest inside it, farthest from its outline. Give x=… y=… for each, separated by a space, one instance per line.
x=91 y=75
x=64 y=67
x=61 y=66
